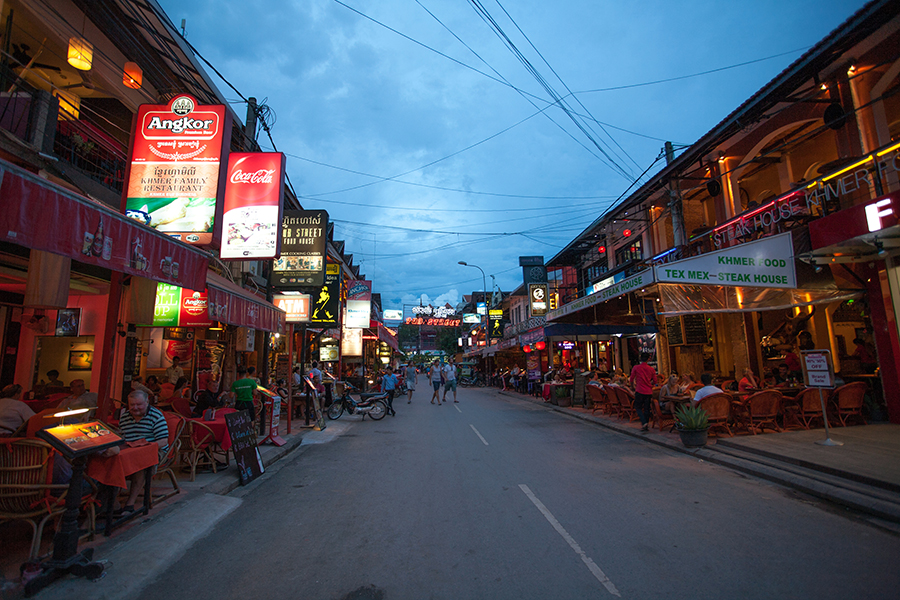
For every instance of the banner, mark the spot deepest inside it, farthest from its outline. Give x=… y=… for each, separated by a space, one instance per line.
x=254 y=193
x=327 y=303
x=302 y=261
x=174 y=175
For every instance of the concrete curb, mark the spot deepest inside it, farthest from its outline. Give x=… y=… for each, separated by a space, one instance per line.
x=810 y=484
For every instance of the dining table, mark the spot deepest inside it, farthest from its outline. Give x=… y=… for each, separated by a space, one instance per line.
x=112 y=472
x=218 y=427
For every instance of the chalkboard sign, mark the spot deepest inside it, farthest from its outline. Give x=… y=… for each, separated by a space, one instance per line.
x=674 y=332
x=695 y=332
x=243 y=445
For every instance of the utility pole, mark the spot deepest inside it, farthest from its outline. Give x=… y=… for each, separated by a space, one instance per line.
x=675 y=205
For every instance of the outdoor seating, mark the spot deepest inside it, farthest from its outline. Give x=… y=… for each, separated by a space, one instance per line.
x=808 y=408
x=663 y=419
x=26 y=491
x=847 y=402
x=718 y=410
x=626 y=403
x=176 y=424
x=182 y=406
x=197 y=442
x=612 y=400
x=760 y=410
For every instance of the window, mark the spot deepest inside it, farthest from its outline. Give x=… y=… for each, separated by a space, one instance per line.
x=629 y=253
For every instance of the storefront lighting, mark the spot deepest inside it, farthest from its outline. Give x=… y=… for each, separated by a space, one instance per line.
x=845 y=169
x=132 y=76
x=852 y=70
x=888 y=150
x=721 y=157
x=69 y=104
x=69 y=413
x=540 y=345
x=824 y=87
x=81 y=53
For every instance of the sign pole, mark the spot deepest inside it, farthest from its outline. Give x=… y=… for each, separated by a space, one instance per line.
x=818 y=371
x=290 y=381
x=827 y=441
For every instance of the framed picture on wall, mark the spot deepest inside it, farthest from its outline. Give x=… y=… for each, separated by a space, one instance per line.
x=68 y=321
x=81 y=360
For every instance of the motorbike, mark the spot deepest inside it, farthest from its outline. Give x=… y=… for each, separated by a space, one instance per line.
x=471 y=382
x=373 y=404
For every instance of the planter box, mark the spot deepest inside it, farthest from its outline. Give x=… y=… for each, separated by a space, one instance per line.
x=694 y=438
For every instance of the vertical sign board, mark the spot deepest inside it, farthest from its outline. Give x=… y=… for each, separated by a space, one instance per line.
x=818 y=370
x=327 y=302
x=495 y=318
x=359 y=304
x=302 y=260
x=243 y=445
x=254 y=194
x=174 y=175
x=537 y=298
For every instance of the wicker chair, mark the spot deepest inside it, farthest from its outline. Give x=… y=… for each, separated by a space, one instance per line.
x=27 y=491
x=847 y=401
x=197 y=442
x=176 y=424
x=626 y=403
x=612 y=400
x=761 y=410
x=718 y=410
x=599 y=400
x=808 y=408
x=663 y=419
x=182 y=406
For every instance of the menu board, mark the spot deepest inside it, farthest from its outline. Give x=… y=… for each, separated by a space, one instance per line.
x=243 y=445
x=81 y=439
x=674 y=331
x=695 y=332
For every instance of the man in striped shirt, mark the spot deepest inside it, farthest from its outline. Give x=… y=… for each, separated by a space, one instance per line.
x=142 y=422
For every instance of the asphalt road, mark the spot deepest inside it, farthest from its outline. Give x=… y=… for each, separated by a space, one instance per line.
x=497 y=498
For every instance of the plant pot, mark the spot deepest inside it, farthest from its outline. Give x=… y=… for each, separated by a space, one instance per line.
x=694 y=438
x=563 y=400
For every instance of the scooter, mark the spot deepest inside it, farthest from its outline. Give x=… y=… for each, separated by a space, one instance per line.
x=373 y=404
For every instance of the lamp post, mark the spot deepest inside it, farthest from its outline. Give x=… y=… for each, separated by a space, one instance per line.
x=483 y=294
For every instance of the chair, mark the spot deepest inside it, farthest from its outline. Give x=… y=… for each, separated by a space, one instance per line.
x=197 y=442
x=718 y=411
x=27 y=488
x=181 y=405
x=612 y=400
x=807 y=409
x=761 y=410
x=599 y=400
x=662 y=419
x=626 y=403
x=847 y=401
x=175 y=423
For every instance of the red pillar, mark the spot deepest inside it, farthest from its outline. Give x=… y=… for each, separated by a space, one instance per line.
x=887 y=344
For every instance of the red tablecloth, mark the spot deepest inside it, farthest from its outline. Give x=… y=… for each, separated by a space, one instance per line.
x=114 y=470
x=218 y=427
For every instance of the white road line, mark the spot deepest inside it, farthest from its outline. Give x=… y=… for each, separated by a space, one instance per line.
x=457 y=409
x=478 y=434
x=591 y=565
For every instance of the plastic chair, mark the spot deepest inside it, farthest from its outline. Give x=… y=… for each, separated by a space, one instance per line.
x=847 y=401
x=176 y=424
x=27 y=488
x=807 y=409
x=718 y=411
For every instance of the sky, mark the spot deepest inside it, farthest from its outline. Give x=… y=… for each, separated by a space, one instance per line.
x=433 y=131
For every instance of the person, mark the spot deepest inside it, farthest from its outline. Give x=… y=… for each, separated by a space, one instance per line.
x=175 y=371
x=13 y=412
x=389 y=384
x=671 y=395
x=137 y=383
x=805 y=341
x=141 y=422
x=79 y=397
x=53 y=379
x=244 y=389
x=687 y=381
x=707 y=390
x=251 y=373
x=748 y=382
x=783 y=374
x=514 y=375
x=412 y=378
x=296 y=380
x=643 y=376
x=595 y=379
x=153 y=384
x=182 y=389
x=450 y=379
x=434 y=374
x=866 y=358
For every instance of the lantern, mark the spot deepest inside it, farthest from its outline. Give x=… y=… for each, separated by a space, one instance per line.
x=81 y=53
x=526 y=349
x=627 y=233
x=539 y=345
x=602 y=249
x=132 y=76
x=69 y=105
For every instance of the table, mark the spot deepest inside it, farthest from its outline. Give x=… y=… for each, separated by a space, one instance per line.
x=111 y=472
x=219 y=428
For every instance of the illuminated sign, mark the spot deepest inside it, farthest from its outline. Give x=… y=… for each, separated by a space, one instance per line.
x=538 y=296
x=302 y=260
x=471 y=318
x=327 y=302
x=481 y=308
x=393 y=315
x=433 y=321
x=875 y=212
x=495 y=318
x=179 y=307
x=358 y=310
x=351 y=342
x=174 y=176
x=254 y=194
x=296 y=307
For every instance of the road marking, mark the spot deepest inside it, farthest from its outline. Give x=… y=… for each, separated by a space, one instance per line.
x=457 y=409
x=591 y=565
x=478 y=434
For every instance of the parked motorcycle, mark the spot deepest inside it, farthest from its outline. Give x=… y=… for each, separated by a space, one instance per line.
x=373 y=404
x=471 y=382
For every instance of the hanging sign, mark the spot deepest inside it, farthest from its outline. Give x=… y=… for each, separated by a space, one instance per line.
x=254 y=193
x=327 y=303
x=635 y=282
x=296 y=307
x=495 y=318
x=302 y=260
x=351 y=342
x=768 y=262
x=166 y=308
x=537 y=298
x=174 y=176
x=359 y=304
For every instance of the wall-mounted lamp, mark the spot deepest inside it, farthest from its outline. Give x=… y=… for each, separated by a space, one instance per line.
x=721 y=157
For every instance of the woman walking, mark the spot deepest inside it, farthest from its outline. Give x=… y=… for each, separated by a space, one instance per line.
x=435 y=375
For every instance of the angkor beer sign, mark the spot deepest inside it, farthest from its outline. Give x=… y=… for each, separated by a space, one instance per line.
x=302 y=262
x=254 y=193
x=180 y=307
x=174 y=174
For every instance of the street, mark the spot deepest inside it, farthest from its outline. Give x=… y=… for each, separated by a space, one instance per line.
x=496 y=497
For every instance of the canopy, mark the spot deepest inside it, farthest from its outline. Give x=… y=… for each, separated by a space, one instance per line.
x=232 y=304
x=677 y=299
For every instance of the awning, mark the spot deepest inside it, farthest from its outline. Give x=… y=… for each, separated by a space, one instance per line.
x=692 y=299
x=576 y=329
x=41 y=215
x=635 y=282
x=232 y=304
x=388 y=337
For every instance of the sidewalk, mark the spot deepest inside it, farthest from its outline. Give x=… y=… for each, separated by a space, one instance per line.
x=175 y=523
x=862 y=474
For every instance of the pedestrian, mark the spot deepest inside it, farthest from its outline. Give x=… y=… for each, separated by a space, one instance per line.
x=450 y=379
x=435 y=377
x=643 y=376
x=244 y=389
x=389 y=385
x=412 y=378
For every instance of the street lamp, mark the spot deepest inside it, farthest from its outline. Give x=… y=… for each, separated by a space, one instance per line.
x=483 y=294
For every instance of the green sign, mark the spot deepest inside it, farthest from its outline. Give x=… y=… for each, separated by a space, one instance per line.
x=168 y=300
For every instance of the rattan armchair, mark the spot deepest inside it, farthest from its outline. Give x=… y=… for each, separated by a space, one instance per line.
x=718 y=410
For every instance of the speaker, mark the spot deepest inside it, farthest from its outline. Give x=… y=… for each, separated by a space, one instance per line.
x=834 y=116
x=714 y=187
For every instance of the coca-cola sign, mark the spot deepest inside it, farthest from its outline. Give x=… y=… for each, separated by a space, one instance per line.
x=252 y=209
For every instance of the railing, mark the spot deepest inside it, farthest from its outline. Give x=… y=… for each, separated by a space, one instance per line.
x=90 y=151
x=17 y=102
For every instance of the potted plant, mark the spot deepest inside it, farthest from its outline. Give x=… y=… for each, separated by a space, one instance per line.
x=562 y=395
x=692 y=423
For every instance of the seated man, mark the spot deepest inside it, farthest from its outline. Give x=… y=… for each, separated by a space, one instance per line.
x=707 y=390
x=79 y=397
x=141 y=422
x=13 y=412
